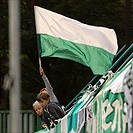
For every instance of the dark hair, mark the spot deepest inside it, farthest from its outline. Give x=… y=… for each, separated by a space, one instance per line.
x=44 y=96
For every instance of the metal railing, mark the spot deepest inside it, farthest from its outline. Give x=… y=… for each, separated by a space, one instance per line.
x=29 y=122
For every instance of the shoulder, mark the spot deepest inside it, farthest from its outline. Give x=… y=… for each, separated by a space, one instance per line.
x=51 y=104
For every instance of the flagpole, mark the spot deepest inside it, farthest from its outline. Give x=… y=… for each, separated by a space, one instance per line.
x=40 y=63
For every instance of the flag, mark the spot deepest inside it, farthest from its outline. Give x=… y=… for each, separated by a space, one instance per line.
x=128 y=91
x=63 y=37
x=108 y=106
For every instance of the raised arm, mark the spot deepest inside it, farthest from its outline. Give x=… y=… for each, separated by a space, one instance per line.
x=48 y=86
x=45 y=79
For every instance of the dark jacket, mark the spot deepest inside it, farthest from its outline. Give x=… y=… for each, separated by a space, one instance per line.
x=44 y=118
x=51 y=112
x=55 y=111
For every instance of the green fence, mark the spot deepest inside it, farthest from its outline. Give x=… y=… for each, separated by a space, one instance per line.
x=29 y=122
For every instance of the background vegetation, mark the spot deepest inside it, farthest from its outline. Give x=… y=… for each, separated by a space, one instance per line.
x=66 y=77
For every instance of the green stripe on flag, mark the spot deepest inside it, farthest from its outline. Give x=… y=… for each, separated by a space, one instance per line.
x=98 y=59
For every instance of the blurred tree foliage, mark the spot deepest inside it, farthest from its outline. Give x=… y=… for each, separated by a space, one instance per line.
x=66 y=77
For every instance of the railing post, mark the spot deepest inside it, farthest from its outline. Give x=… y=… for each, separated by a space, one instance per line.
x=27 y=123
x=0 y=122
x=38 y=123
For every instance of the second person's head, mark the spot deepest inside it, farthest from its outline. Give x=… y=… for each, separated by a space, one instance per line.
x=43 y=98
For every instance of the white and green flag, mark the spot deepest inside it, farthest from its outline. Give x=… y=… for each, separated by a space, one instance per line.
x=108 y=107
x=63 y=37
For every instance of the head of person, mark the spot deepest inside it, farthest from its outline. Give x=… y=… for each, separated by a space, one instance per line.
x=43 y=98
x=37 y=108
x=44 y=90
